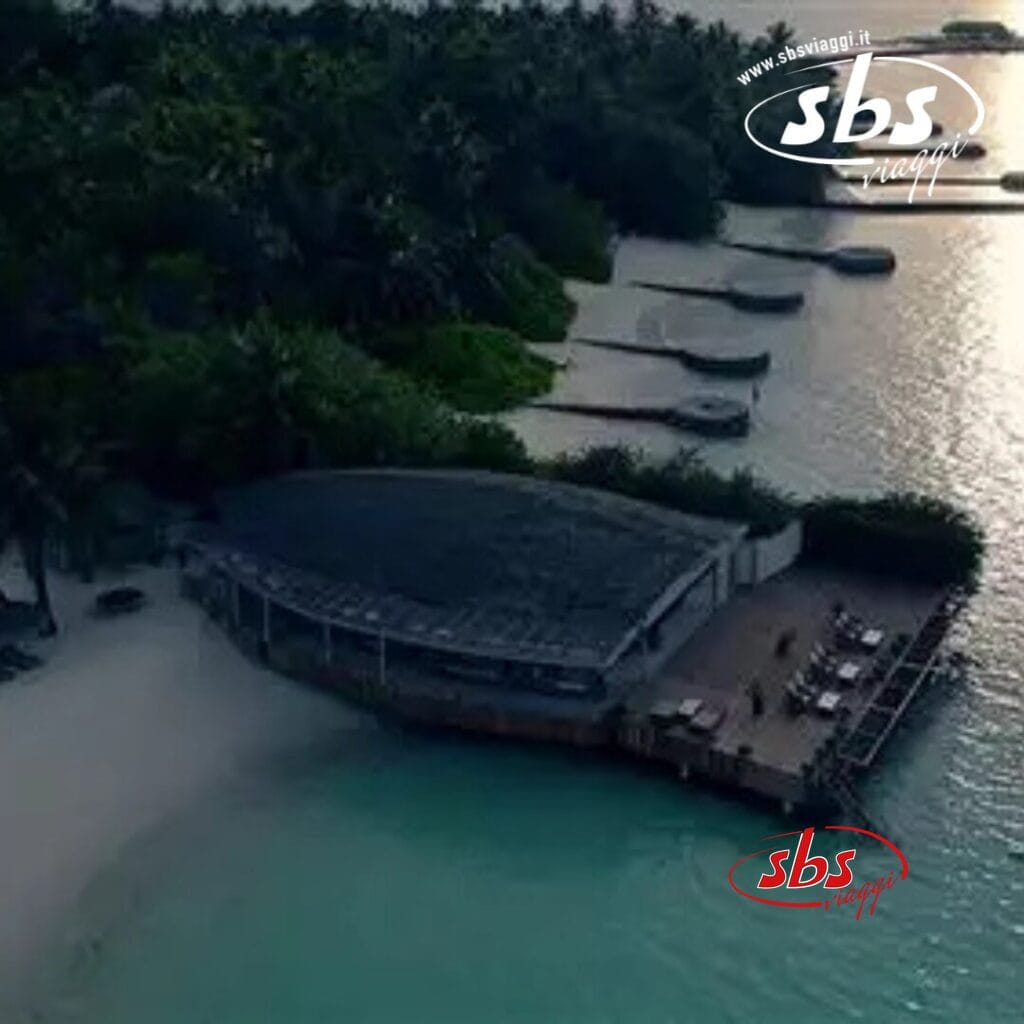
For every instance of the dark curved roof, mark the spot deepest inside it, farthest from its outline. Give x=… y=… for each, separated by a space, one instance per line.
x=504 y=565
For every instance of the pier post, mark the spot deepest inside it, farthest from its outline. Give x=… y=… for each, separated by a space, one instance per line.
x=266 y=621
x=328 y=652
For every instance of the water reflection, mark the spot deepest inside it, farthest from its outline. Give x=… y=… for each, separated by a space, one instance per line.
x=883 y=18
x=914 y=381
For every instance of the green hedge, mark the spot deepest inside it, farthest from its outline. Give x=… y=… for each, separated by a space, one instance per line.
x=197 y=411
x=473 y=367
x=520 y=292
x=684 y=484
x=907 y=536
x=910 y=536
x=567 y=231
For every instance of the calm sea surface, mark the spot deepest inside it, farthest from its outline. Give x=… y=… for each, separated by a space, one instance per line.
x=402 y=877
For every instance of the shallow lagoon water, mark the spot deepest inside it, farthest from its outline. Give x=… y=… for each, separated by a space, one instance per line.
x=402 y=876
x=405 y=877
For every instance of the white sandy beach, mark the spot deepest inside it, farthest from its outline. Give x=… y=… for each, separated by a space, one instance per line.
x=130 y=721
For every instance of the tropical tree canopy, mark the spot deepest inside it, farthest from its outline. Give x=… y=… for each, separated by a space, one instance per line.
x=237 y=241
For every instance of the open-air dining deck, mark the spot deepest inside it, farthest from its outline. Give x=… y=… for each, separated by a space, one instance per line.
x=794 y=686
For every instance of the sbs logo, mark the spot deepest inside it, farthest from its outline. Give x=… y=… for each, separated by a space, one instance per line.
x=791 y=876
x=856 y=111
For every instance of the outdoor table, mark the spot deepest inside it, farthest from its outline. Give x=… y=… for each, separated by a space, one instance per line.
x=707 y=719
x=871 y=639
x=848 y=673
x=828 y=702
x=689 y=707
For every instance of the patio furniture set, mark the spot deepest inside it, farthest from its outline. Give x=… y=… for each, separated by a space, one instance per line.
x=820 y=685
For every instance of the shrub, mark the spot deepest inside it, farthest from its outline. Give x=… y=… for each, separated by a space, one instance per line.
x=520 y=292
x=567 y=231
x=203 y=410
x=906 y=535
x=684 y=484
x=474 y=367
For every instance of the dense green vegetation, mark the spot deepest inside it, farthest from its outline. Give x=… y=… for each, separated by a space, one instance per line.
x=903 y=535
x=909 y=537
x=354 y=167
x=473 y=367
x=236 y=243
x=684 y=484
x=223 y=406
x=206 y=215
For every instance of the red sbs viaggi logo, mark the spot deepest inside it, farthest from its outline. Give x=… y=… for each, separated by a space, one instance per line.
x=790 y=875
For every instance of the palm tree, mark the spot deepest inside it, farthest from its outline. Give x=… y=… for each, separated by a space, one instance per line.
x=28 y=508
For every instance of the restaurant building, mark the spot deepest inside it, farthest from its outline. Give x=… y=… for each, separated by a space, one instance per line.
x=494 y=602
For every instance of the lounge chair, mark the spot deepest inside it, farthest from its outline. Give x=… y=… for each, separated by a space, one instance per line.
x=871 y=639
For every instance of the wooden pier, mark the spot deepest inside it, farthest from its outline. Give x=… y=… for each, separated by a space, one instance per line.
x=810 y=759
x=968 y=150
x=920 y=206
x=749 y=298
x=705 y=415
x=720 y=361
x=849 y=259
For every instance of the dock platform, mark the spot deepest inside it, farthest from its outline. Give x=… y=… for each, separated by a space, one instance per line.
x=698 y=713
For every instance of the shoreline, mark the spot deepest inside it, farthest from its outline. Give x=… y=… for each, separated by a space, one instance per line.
x=689 y=709
x=118 y=733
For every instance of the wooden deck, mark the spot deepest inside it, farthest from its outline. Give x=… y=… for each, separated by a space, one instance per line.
x=779 y=754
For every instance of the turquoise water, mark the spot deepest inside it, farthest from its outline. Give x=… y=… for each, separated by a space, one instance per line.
x=408 y=877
